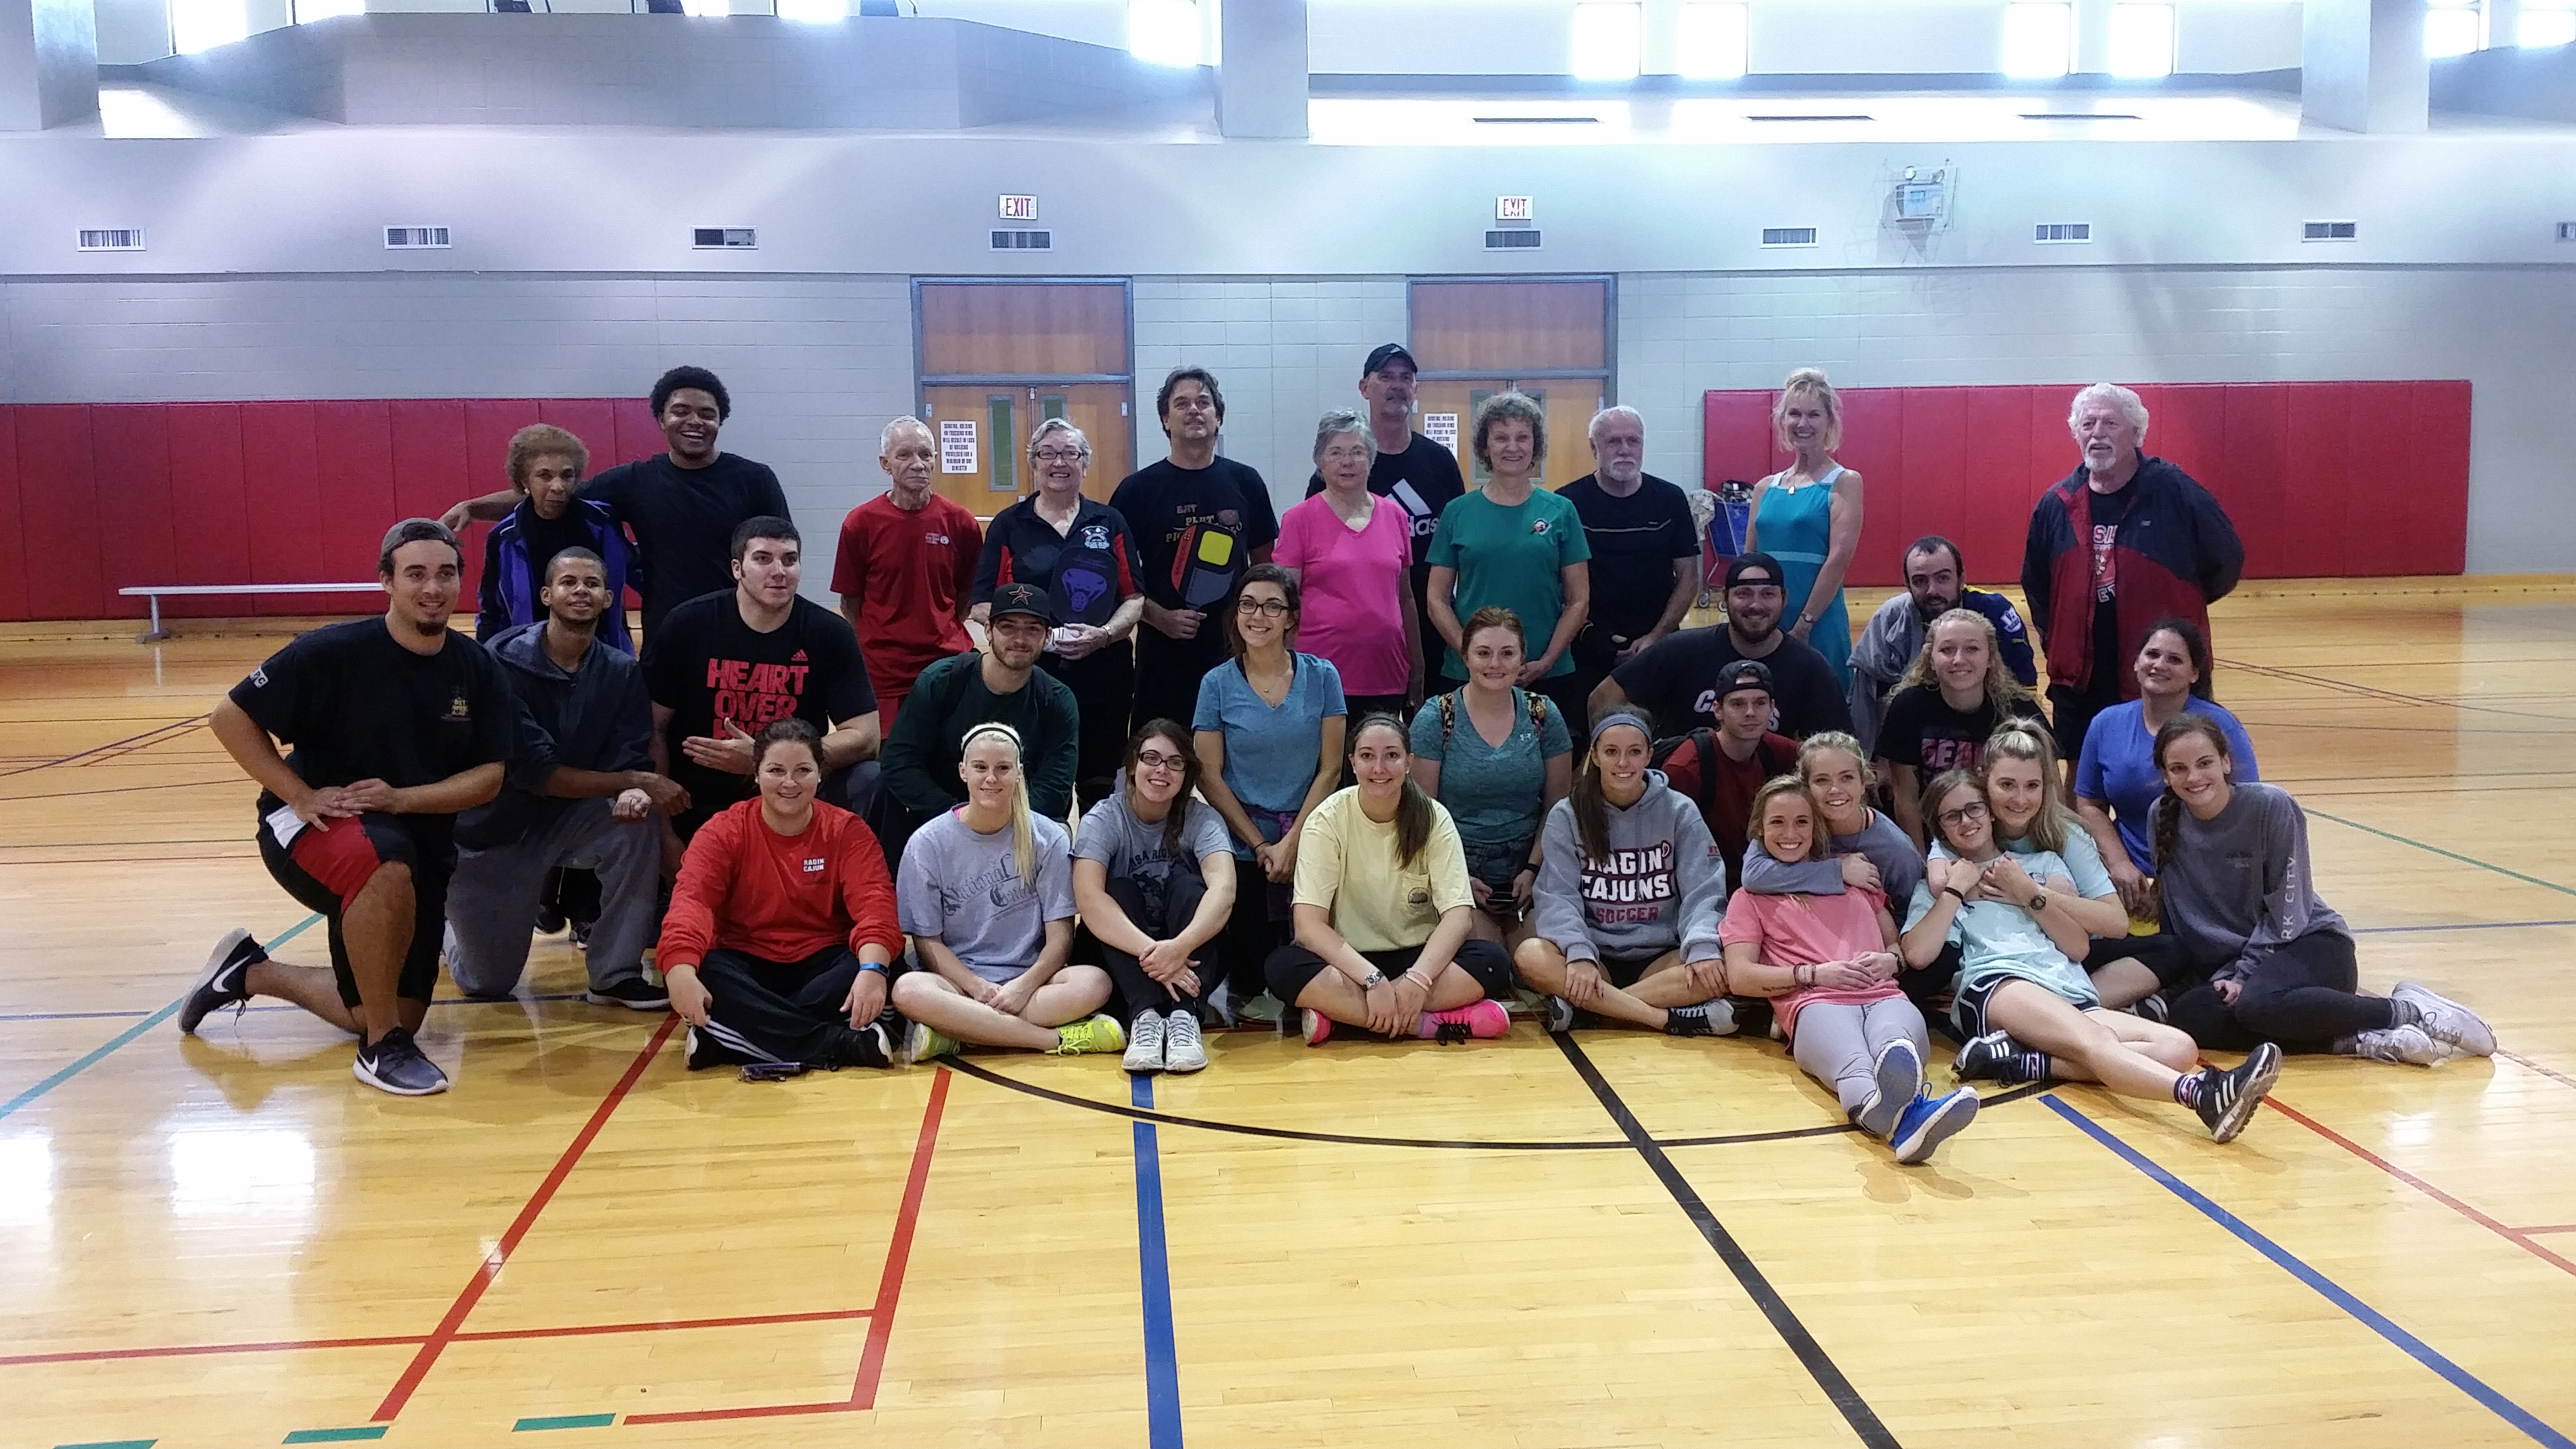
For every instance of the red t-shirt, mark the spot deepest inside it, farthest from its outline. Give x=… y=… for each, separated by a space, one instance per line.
x=912 y=574
x=745 y=887
x=1726 y=802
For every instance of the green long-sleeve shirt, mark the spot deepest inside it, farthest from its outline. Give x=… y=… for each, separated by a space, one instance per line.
x=921 y=752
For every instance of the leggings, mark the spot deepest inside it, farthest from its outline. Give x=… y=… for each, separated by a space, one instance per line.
x=2300 y=997
x=1104 y=689
x=1183 y=890
x=1837 y=1043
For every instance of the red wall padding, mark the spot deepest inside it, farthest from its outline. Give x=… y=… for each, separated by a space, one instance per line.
x=96 y=497
x=2322 y=479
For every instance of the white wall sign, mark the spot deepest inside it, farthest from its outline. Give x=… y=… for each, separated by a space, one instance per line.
x=1019 y=208
x=1511 y=208
x=1441 y=428
x=957 y=445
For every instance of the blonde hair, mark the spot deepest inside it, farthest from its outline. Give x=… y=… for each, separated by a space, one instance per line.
x=1772 y=789
x=1024 y=836
x=1811 y=381
x=1836 y=742
x=2027 y=741
x=2002 y=690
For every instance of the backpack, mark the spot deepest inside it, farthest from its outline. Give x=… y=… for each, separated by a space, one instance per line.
x=1703 y=741
x=1449 y=716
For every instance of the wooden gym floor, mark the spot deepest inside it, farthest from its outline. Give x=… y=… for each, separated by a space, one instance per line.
x=1623 y=1240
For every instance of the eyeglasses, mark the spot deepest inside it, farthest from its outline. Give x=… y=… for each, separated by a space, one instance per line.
x=1152 y=760
x=1266 y=608
x=1057 y=455
x=1973 y=810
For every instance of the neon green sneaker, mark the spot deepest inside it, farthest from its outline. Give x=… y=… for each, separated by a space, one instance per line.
x=921 y=1044
x=1093 y=1034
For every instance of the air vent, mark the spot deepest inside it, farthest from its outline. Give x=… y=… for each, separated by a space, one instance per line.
x=1507 y=239
x=402 y=238
x=2567 y=231
x=1788 y=236
x=2062 y=231
x=2078 y=116
x=723 y=238
x=2330 y=231
x=1024 y=241
x=112 y=239
x=1538 y=120
x=1811 y=118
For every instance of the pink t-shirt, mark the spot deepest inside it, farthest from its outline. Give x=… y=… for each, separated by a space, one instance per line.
x=1803 y=930
x=1350 y=611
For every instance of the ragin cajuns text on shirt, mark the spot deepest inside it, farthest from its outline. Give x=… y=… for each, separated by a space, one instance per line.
x=1630 y=885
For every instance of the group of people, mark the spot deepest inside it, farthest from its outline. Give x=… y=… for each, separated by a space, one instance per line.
x=1374 y=766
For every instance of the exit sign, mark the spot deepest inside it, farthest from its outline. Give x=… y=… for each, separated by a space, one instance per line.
x=1019 y=208
x=1511 y=208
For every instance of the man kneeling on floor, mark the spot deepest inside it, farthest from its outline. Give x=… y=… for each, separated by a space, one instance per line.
x=581 y=794
x=397 y=725
x=783 y=924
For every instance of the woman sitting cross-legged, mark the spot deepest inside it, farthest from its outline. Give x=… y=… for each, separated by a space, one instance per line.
x=782 y=925
x=2236 y=889
x=2025 y=1008
x=1630 y=888
x=987 y=895
x=1153 y=875
x=1382 y=888
x=1826 y=963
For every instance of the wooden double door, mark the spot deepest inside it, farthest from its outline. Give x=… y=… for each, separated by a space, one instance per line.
x=997 y=358
x=993 y=421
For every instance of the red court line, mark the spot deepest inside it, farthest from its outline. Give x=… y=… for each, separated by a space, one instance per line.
x=490 y=1268
x=283 y=1345
x=2552 y=1073
x=2552 y=1228
x=863 y=1391
x=2519 y=1237
x=485 y=1335
x=585 y=1330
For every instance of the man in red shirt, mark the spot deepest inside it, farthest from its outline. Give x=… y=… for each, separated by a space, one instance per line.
x=1722 y=770
x=906 y=568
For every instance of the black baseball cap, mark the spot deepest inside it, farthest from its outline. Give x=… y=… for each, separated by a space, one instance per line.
x=1388 y=353
x=1026 y=599
x=1744 y=674
x=1739 y=565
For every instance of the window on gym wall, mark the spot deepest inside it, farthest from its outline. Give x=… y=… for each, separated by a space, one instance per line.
x=996 y=358
x=2454 y=27
x=1549 y=337
x=1609 y=36
x=2546 y=22
x=1708 y=40
x=2142 y=41
x=2039 y=39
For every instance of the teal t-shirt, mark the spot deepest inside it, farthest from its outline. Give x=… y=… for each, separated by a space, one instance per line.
x=1493 y=792
x=1512 y=558
x=1999 y=939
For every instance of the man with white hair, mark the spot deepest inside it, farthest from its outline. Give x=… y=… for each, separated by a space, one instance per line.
x=906 y=567
x=1645 y=549
x=2121 y=542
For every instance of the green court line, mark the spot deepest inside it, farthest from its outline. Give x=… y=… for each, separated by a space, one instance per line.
x=335 y=1436
x=112 y=1444
x=2547 y=885
x=564 y=1421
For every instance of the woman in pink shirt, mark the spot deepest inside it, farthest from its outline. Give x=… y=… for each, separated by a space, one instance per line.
x=1829 y=965
x=1351 y=551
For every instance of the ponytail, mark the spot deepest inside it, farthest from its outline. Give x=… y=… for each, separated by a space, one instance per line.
x=1412 y=805
x=2166 y=814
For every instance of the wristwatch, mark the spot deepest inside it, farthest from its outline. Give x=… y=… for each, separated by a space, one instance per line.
x=2039 y=903
x=1374 y=978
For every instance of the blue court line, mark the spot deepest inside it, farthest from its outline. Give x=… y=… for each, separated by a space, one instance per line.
x=564 y=1421
x=1154 y=1275
x=337 y=1436
x=2334 y=1293
x=100 y=1054
x=2470 y=926
x=112 y=1444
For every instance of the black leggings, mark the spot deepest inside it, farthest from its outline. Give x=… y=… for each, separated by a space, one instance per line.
x=1104 y=689
x=781 y=1010
x=1137 y=992
x=2301 y=997
x=1259 y=924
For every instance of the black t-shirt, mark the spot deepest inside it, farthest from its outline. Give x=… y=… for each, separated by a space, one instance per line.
x=1163 y=503
x=547 y=537
x=2110 y=660
x=706 y=664
x=1430 y=481
x=1634 y=542
x=1086 y=570
x=355 y=705
x=1923 y=731
x=683 y=520
x=1676 y=682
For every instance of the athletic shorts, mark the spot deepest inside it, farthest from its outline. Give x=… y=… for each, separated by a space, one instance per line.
x=1969 y=1008
x=1626 y=971
x=1292 y=968
x=326 y=869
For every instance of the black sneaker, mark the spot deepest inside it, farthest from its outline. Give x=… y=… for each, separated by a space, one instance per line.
x=634 y=993
x=2228 y=1099
x=1557 y=1014
x=549 y=920
x=865 y=1047
x=1709 y=1018
x=393 y=1063
x=221 y=983
x=581 y=934
x=2151 y=1007
x=705 y=1051
x=1989 y=1058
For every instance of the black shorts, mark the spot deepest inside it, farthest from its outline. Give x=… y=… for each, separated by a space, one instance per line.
x=1292 y=968
x=324 y=870
x=1969 y=1008
x=2159 y=953
x=1626 y=971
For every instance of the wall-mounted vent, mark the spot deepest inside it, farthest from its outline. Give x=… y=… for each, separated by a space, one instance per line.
x=404 y=238
x=1538 y=120
x=1788 y=236
x=2330 y=231
x=1024 y=241
x=111 y=239
x=2062 y=231
x=2078 y=116
x=723 y=238
x=2567 y=231
x=1511 y=239
x=1812 y=118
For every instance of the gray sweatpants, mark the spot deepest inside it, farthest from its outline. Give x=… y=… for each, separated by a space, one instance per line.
x=492 y=902
x=1838 y=1042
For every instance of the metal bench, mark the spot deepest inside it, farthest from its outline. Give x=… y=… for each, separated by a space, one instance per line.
x=154 y=592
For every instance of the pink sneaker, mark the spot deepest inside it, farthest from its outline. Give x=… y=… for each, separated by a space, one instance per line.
x=1476 y=1019
x=1318 y=1027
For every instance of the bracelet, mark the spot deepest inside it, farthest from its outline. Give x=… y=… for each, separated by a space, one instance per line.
x=1955 y=891
x=1804 y=975
x=1418 y=977
x=878 y=967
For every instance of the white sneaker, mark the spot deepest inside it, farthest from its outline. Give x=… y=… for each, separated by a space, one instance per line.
x=2404 y=1045
x=1182 y=1049
x=2446 y=1021
x=1145 y=1043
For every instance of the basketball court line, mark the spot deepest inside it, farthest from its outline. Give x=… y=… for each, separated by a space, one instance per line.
x=2387 y=696
x=2448 y=854
x=2518 y=1237
x=1154 y=1281
x=2552 y=1073
x=130 y=740
x=122 y=790
x=2326 y=1288
x=412 y=1340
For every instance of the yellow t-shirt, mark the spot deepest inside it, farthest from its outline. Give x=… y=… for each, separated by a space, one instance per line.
x=1346 y=864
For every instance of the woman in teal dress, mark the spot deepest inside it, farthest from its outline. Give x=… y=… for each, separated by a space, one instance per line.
x=1807 y=516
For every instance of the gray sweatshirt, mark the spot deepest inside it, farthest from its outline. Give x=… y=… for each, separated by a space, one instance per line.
x=1663 y=885
x=1882 y=841
x=2238 y=887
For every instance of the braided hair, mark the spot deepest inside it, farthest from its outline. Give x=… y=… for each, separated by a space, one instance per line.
x=2167 y=813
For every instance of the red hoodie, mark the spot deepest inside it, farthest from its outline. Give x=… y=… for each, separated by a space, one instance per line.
x=745 y=887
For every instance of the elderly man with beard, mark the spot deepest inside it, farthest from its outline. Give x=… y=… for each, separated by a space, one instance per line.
x=1645 y=551
x=1888 y=643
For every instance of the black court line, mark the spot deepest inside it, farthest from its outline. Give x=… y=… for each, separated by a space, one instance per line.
x=129 y=790
x=180 y=725
x=1820 y=1366
x=2386 y=696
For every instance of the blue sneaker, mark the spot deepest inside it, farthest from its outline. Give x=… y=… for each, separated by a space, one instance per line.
x=1928 y=1121
x=1899 y=1077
